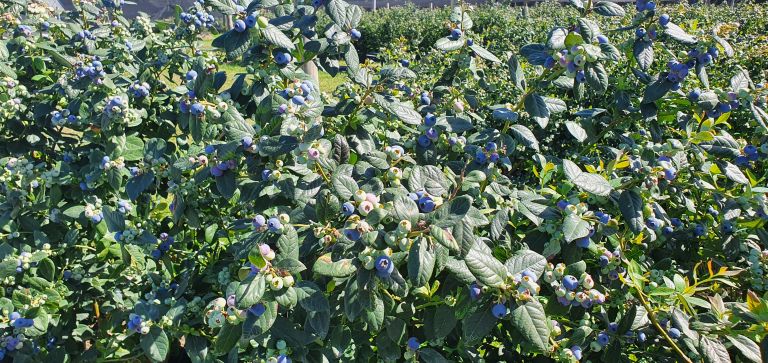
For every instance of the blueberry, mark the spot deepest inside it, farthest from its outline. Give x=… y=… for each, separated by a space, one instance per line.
x=266 y=174
x=156 y=254
x=724 y=107
x=240 y=26
x=384 y=266
x=650 y=6
x=570 y=282
x=250 y=21
x=694 y=95
x=259 y=221
x=676 y=222
x=499 y=310
x=664 y=19
x=580 y=77
x=426 y=204
x=727 y=227
x=456 y=33
x=674 y=333
x=490 y=146
x=424 y=141
x=197 y=109
x=283 y=359
x=355 y=34
x=15 y=315
x=640 y=32
x=613 y=327
x=562 y=204
x=470 y=42
x=577 y=353
x=191 y=75
x=653 y=223
x=274 y=224
x=430 y=120
x=413 y=343
x=667 y=230
x=602 y=39
x=475 y=291
x=699 y=230
x=750 y=149
x=352 y=234
x=282 y=58
x=424 y=99
x=583 y=242
x=603 y=339
x=432 y=134
x=641 y=336
x=348 y=209
x=216 y=171
x=604 y=260
x=405 y=62
x=247 y=142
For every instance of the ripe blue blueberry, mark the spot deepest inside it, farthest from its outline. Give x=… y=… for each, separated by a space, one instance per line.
x=699 y=230
x=156 y=254
x=240 y=26
x=274 y=224
x=604 y=261
x=384 y=266
x=664 y=19
x=570 y=282
x=355 y=34
x=640 y=32
x=348 y=209
x=283 y=359
x=266 y=174
x=480 y=157
x=602 y=39
x=259 y=221
x=583 y=242
x=653 y=223
x=475 y=291
x=494 y=157
x=426 y=204
x=650 y=6
x=694 y=95
x=191 y=75
x=282 y=58
x=499 y=310
x=430 y=120
x=613 y=327
x=641 y=337
x=490 y=146
x=603 y=339
x=727 y=227
x=529 y=274
x=424 y=141
x=580 y=77
x=413 y=343
x=456 y=33
x=250 y=21
x=562 y=204
x=217 y=171
x=470 y=42
x=15 y=315
x=247 y=142
x=424 y=99
x=352 y=234
x=197 y=109
x=577 y=353
x=405 y=62
x=674 y=333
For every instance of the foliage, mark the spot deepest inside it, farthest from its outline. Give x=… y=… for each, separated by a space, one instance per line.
x=594 y=193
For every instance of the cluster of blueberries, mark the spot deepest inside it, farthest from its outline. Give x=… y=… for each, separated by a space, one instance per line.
x=488 y=154
x=95 y=71
x=61 y=117
x=430 y=134
x=299 y=93
x=261 y=223
x=114 y=106
x=219 y=169
x=85 y=34
x=200 y=19
x=140 y=89
x=165 y=245
x=721 y=107
x=425 y=202
x=751 y=154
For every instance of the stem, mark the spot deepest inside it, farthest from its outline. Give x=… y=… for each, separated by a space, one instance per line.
x=661 y=330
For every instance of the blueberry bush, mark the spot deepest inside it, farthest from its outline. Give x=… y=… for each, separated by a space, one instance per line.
x=595 y=194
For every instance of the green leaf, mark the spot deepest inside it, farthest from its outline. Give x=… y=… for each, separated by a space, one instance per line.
x=403 y=111
x=557 y=38
x=487 y=269
x=531 y=321
x=448 y=44
x=576 y=130
x=574 y=227
x=484 y=53
x=273 y=35
x=196 y=348
x=477 y=326
x=516 y=72
x=138 y=184
x=405 y=209
x=676 y=33
x=250 y=291
x=748 y=348
x=592 y=183
x=344 y=185
x=327 y=267
x=155 y=344
x=631 y=207
x=134 y=148
x=288 y=244
x=227 y=338
x=714 y=351
x=421 y=262
x=607 y=8
x=526 y=260
x=643 y=52
x=657 y=90
x=536 y=107
x=740 y=80
x=525 y=136
x=734 y=173
x=597 y=77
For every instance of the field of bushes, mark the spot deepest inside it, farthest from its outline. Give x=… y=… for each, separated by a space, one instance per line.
x=559 y=183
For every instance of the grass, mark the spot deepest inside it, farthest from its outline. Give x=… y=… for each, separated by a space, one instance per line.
x=327 y=82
